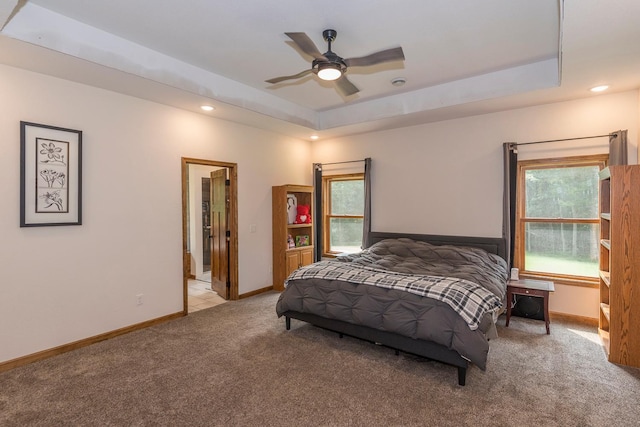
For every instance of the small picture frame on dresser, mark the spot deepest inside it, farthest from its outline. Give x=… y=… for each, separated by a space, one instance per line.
x=302 y=240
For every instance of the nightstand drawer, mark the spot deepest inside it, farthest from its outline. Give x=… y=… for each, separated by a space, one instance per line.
x=530 y=292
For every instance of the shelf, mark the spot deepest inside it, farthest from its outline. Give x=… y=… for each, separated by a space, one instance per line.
x=604 y=275
x=619 y=289
x=298 y=248
x=299 y=225
x=286 y=259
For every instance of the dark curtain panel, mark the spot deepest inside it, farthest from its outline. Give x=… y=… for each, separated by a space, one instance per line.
x=618 y=148
x=366 y=229
x=510 y=152
x=317 y=210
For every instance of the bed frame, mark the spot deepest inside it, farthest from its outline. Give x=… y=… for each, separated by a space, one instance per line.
x=399 y=343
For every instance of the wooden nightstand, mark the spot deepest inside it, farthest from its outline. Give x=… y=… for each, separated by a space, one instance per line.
x=528 y=287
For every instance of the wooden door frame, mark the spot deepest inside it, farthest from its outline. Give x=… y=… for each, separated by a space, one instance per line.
x=233 y=225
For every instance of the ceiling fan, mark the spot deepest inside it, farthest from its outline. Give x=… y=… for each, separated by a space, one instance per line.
x=329 y=66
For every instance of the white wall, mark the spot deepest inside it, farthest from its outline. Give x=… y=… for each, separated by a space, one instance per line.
x=63 y=284
x=446 y=177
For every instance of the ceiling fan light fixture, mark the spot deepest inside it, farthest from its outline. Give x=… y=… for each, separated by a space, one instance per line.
x=329 y=66
x=329 y=71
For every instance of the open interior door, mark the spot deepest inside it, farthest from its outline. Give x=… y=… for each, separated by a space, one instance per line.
x=219 y=233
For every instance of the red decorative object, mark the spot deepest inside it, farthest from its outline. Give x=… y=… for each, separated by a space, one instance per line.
x=304 y=216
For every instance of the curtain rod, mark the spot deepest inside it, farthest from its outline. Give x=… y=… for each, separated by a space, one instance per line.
x=339 y=163
x=566 y=139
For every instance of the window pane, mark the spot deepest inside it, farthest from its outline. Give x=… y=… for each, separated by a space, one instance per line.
x=346 y=234
x=562 y=192
x=570 y=249
x=347 y=197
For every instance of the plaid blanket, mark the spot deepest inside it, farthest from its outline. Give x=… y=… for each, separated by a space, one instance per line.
x=469 y=300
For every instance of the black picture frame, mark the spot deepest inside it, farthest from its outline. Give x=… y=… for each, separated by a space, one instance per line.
x=50 y=175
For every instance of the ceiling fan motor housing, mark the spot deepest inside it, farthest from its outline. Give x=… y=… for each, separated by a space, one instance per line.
x=332 y=60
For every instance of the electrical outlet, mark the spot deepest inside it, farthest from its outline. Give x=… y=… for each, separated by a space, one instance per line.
x=139 y=299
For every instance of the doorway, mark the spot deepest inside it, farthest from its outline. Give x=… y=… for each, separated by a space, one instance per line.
x=215 y=227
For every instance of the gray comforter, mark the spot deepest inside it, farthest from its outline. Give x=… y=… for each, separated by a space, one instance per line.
x=402 y=312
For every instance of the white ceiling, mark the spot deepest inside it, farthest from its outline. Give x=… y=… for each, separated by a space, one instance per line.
x=463 y=57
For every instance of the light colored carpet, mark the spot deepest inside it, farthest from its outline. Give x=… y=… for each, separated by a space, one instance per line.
x=236 y=365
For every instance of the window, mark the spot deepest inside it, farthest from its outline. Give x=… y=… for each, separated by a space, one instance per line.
x=343 y=202
x=557 y=235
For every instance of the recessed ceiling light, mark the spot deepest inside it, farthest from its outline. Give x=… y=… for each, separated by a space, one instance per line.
x=207 y=108
x=398 y=81
x=599 y=88
x=314 y=137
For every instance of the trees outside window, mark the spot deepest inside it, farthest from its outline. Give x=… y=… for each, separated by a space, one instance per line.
x=557 y=218
x=343 y=202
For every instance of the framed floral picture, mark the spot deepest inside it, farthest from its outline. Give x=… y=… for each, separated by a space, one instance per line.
x=302 y=240
x=50 y=175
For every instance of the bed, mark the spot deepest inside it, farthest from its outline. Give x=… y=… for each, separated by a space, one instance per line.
x=434 y=296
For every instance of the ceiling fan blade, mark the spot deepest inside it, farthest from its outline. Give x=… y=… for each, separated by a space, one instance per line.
x=345 y=87
x=283 y=78
x=306 y=44
x=388 y=55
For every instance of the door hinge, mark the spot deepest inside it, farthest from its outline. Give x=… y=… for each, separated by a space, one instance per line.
x=227 y=182
x=228 y=233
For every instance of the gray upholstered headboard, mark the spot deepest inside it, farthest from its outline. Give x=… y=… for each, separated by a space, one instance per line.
x=494 y=245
